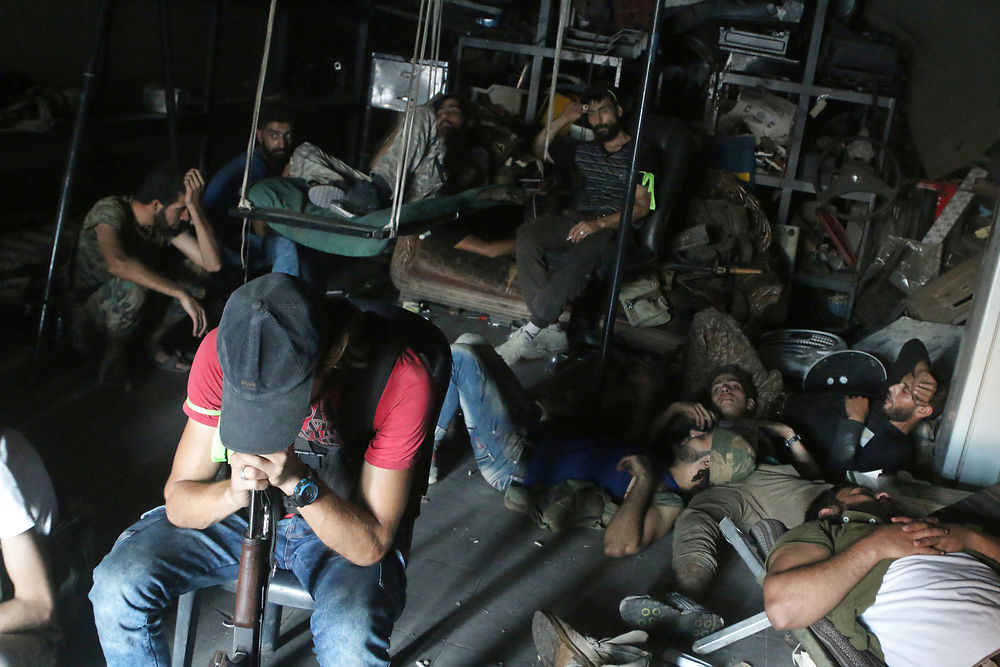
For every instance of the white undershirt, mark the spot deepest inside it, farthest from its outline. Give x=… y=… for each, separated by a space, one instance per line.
x=26 y=496
x=938 y=611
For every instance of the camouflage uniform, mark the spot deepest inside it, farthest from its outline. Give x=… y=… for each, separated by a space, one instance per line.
x=110 y=308
x=425 y=167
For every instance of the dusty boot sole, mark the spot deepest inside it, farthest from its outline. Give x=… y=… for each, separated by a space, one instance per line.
x=647 y=614
x=553 y=642
x=697 y=624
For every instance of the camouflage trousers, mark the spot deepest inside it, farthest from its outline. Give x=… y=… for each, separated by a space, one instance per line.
x=113 y=313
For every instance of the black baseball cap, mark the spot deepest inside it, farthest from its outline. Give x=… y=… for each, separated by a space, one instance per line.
x=269 y=344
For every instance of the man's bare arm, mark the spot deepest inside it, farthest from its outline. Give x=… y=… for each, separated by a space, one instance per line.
x=193 y=498
x=203 y=247
x=624 y=534
x=361 y=532
x=803 y=461
x=122 y=265
x=570 y=115
x=805 y=581
x=34 y=602
x=657 y=521
x=640 y=209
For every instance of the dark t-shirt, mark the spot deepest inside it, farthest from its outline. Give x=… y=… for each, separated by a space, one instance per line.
x=843 y=444
x=605 y=175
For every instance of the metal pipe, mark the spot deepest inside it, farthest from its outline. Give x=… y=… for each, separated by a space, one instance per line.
x=208 y=107
x=86 y=92
x=626 y=216
x=168 y=82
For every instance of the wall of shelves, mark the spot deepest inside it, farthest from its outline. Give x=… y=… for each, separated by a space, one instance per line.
x=794 y=182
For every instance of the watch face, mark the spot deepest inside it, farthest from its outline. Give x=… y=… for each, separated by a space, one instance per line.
x=306 y=492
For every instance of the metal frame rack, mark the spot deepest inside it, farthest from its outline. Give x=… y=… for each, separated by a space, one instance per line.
x=538 y=52
x=789 y=183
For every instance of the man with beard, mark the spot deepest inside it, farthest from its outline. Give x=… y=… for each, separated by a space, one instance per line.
x=845 y=433
x=437 y=157
x=556 y=255
x=122 y=255
x=262 y=249
x=521 y=456
x=910 y=591
x=779 y=488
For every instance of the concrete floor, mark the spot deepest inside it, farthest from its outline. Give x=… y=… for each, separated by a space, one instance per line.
x=477 y=571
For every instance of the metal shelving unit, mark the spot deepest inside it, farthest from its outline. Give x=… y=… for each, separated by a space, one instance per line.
x=792 y=181
x=539 y=51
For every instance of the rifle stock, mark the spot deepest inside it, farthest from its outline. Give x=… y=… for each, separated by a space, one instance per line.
x=251 y=587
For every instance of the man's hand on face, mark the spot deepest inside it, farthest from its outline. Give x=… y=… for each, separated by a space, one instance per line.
x=573 y=112
x=924 y=386
x=638 y=466
x=698 y=413
x=194 y=186
x=282 y=469
x=856 y=408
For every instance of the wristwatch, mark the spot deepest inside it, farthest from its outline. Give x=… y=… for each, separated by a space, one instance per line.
x=306 y=490
x=792 y=440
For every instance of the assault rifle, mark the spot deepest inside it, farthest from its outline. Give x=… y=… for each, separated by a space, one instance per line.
x=251 y=587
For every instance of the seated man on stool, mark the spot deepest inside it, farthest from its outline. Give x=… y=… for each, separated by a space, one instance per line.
x=583 y=236
x=278 y=370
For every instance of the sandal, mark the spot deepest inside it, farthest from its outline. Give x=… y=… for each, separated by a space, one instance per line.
x=173 y=362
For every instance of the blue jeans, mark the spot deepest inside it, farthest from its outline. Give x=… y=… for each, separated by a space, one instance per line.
x=154 y=562
x=495 y=405
x=497 y=433
x=282 y=255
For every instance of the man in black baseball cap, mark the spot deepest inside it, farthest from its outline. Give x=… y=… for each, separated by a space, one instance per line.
x=275 y=373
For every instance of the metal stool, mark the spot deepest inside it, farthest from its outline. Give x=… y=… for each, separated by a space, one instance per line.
x=283 y=591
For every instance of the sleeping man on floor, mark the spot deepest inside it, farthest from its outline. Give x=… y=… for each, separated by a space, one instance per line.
x=912 y=591
x=563 y=481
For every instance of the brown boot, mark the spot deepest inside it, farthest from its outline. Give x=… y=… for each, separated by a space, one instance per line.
x=559 y=645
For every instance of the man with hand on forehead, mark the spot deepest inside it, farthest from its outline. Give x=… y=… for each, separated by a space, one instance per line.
x=858 y=433
x=270 y=375
x=582 y=236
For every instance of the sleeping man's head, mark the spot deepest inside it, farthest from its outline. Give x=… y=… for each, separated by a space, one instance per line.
x=732 y=393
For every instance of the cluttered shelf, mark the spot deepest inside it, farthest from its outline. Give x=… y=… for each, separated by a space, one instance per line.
x=838 y=282
x=799 y=88
x=773 y=181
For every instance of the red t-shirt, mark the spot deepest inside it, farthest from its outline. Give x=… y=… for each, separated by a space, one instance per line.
x=400 y=418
